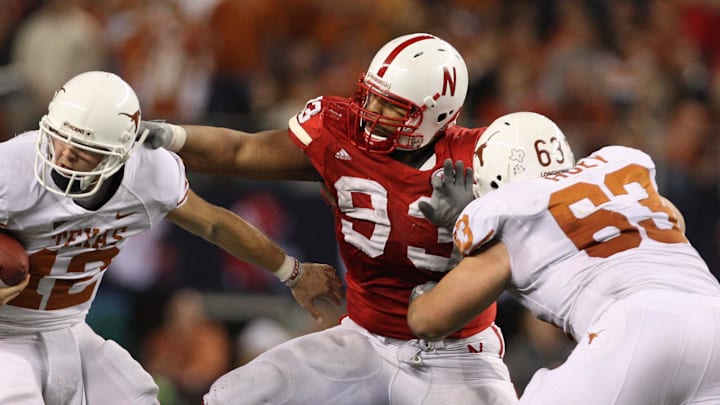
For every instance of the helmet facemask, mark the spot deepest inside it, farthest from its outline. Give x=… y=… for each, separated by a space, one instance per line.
x=80 y=184
x=381 y=133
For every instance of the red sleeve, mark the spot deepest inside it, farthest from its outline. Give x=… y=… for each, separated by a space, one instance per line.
x=307 y=125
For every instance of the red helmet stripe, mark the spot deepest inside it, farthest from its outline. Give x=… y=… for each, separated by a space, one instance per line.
x=395 y=52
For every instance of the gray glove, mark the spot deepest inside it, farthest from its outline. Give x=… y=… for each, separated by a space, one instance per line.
x=421 y=289
x=455 y=258
x=160 y=134
x=451 y=193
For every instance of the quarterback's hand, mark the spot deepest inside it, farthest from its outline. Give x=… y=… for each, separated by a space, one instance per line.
x=317 y=281
x=162 y=135
x=451 y=193
x=7 y=294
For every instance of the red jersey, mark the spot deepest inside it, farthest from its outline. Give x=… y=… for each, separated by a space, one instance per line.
x=386 y=243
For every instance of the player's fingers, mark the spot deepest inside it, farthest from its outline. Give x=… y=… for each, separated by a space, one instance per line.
x=312 y=309
x=332 y=275
x=459 y=171
x=335 y=293
x=427 y=209
x=24 y=283
x=333 y=297
x=330 y=270
x=11 y=292
x=469 y=177
x=437 y=182
x=10 y=297
x=448 y=175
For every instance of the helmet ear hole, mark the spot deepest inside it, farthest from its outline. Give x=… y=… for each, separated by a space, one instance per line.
x=441 y=117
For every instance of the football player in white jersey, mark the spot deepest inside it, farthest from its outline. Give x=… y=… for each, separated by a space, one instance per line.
x=592 y=248
x=72 y=193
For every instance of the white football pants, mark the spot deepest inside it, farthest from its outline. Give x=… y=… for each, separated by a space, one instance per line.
x=348 y=365
x=651 y=348
x=78 y=357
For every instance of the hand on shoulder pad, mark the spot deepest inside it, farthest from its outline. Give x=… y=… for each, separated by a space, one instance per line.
x=163 y=135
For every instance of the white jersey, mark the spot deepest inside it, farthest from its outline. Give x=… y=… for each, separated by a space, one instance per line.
x=70 y=247
x=578 y=241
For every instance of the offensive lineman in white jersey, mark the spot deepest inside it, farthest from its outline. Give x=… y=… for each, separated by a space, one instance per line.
x=93 y=188
x=593 y=249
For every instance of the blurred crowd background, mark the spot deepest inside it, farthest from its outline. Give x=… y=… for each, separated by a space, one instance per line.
x=643 y=73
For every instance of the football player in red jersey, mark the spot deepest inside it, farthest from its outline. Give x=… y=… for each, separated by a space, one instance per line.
x=376 y=154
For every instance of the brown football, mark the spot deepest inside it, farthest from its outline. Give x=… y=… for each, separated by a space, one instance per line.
x=14 y=262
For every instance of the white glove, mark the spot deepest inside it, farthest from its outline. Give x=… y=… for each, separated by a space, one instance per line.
x=163 y=135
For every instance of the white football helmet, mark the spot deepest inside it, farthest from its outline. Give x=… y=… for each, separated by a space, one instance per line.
x=519 y=146
x=97 y=112
x=421 y=74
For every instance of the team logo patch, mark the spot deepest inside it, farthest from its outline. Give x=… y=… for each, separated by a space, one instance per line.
x=342 y=154
x=438 y=173
x=595 y=338
x=121 y=215
x=517 y=155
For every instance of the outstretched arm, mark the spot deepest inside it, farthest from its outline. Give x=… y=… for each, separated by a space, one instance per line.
x=308 y=281
x=265 y=155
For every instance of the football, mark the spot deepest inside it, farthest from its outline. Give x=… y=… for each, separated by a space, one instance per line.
x=14 y=262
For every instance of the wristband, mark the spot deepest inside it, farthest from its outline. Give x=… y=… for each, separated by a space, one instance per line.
x=289 y=271
x=178 y=138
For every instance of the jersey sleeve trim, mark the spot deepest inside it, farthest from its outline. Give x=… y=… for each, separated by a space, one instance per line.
x=184 y=196
x=299 y=132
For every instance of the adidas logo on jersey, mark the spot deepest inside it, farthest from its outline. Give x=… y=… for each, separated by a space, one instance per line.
x=343 y=155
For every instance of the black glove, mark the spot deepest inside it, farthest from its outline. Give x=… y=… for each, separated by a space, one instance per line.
x=451 y=193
